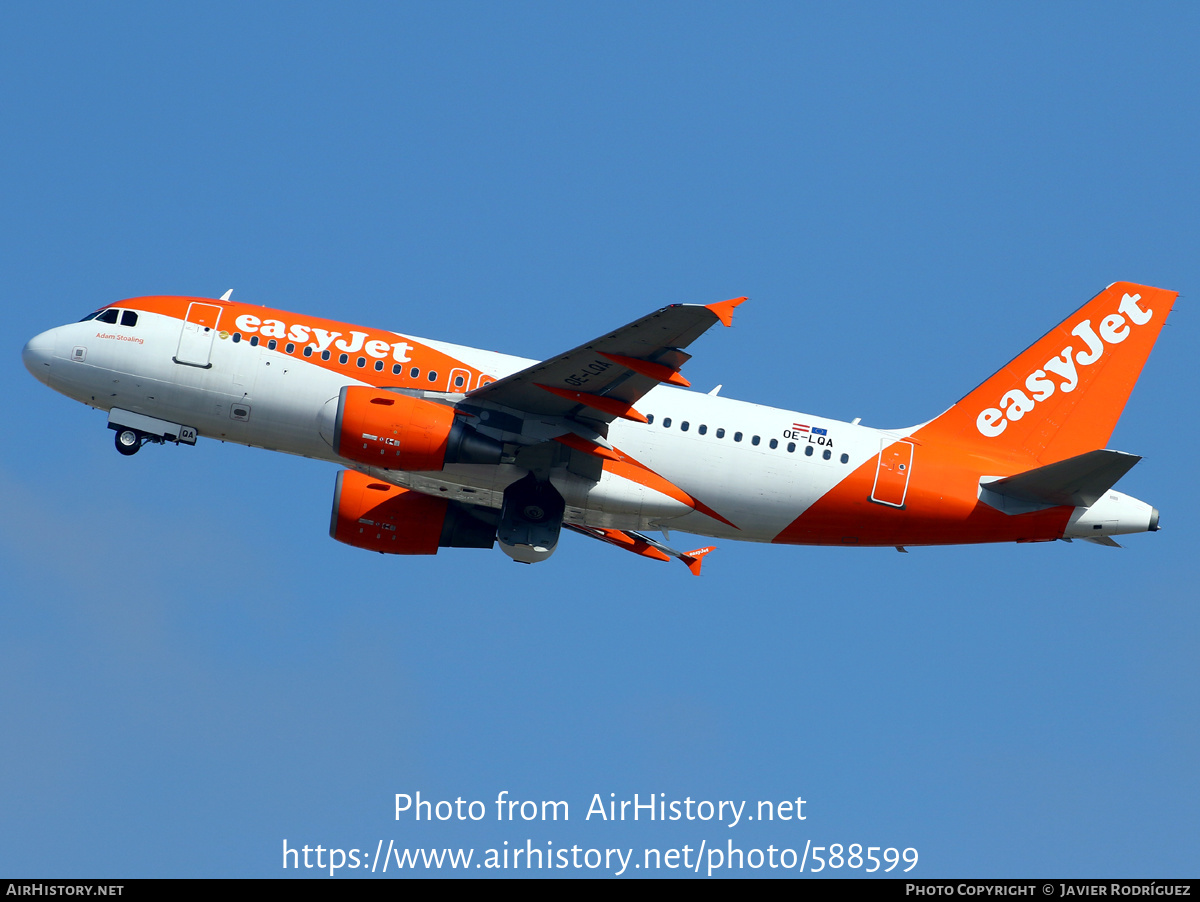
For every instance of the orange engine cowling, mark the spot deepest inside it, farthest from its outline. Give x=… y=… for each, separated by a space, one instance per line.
x=398 y=432
x=382 y=517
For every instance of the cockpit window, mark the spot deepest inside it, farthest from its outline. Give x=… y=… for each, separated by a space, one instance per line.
x=92 y=315
x=108 y=316
x=128 y=318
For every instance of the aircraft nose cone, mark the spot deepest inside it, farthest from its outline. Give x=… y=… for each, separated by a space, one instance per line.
x=38 y=354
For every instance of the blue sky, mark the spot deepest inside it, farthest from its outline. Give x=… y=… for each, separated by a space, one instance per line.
x=191 y=671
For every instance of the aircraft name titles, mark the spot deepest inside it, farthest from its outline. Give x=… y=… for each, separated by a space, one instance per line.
x=1113 y=329
x=321 y=339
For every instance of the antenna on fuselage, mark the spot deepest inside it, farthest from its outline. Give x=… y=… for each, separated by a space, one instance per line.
x=715 y=390
x=226 y=295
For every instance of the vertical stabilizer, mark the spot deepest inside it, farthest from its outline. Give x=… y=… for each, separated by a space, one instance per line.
x=1063 y=395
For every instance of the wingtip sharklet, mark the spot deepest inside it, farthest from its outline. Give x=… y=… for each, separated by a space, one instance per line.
x=694 y=559
x=724 y=309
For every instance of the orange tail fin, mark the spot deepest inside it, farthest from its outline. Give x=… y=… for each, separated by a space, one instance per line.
x=1063 y=395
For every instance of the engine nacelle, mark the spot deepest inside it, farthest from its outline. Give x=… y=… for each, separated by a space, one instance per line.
x=398 y=432
x=382 y=517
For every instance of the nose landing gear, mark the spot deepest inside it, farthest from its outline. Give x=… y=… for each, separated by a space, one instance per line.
x=129 y=441
x=135 y=429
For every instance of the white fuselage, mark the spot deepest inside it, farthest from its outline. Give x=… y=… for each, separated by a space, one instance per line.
x=718 y=449
x=702 y=464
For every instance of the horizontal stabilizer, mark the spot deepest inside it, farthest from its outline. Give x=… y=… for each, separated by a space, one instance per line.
x=1077 y=482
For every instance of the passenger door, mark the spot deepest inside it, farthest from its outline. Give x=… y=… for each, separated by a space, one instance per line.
x=196 y=338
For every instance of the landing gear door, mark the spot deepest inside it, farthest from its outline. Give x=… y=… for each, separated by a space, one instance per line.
x=892 y=474
x=196 y=339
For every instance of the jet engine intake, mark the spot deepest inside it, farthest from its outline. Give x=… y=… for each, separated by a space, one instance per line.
x=398 y=432
x=382 y=517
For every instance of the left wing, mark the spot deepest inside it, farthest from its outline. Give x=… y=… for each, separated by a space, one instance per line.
x=643 y=545
x=604 y=378
x=566 y=403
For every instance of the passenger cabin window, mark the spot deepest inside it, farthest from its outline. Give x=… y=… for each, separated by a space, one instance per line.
x=737 y=436
x=774 y=443
x=703 y=429
x=808 y=450
x=755 y=440
x=433 y=375
x=650 y=419
x=108 y=316
x=379 y=366
x=254 y=341
x=845 y=458
x=721 y=433
x=667 y=423
x=342 y=358
x=272 y=344
x=414 y=372
x=128 y=318
x=683 y=427
x=826 y=454
x=308 y=350
x=290 y=347
x=324 y=355
x=396 y=368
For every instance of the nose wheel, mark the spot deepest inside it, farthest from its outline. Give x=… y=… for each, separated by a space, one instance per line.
x=129 y=441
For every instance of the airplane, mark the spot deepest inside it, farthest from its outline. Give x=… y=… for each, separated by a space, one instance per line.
x=449 y=446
